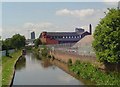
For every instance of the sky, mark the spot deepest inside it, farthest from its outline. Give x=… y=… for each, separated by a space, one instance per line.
x=24 y=17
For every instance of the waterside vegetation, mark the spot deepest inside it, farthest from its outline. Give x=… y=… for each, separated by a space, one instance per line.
x=94 y=74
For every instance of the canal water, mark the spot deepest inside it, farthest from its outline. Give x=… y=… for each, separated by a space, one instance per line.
x=33 y=71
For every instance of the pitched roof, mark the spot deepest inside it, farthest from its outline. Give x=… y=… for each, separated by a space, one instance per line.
x=87 y=40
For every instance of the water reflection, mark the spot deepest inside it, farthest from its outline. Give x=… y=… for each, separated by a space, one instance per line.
x=46 y=63
x=21 y=63
x=32 y=71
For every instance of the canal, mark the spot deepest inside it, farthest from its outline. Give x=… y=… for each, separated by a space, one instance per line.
x=33 y=71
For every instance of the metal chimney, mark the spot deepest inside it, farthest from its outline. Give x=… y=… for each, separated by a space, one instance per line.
x=90 y=29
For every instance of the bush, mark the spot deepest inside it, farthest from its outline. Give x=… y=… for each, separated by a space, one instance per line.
x=107 y=37
x=44 y=51
x=92 y=73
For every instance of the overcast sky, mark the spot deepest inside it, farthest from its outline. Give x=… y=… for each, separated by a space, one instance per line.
x=24 y=17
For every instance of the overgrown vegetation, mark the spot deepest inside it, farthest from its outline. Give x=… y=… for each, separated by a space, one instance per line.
x=44 y=51
x=107 y=37
x=90 y=72
x=8 y=67
x=37 y=42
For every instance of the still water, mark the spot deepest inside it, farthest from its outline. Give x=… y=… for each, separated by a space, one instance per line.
x=32 y=71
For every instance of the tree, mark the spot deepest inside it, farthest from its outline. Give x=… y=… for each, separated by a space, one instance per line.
x=37 y=42
x=7 y=44
x=107 y=37
x=18 y=41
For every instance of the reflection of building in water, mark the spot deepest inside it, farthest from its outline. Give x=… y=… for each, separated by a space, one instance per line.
x=64 y=37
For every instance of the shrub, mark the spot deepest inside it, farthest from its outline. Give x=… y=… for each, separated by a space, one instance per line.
x=92 y=73
x=107 y=37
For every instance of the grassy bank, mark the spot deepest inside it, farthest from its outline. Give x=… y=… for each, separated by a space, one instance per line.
x=8 y=67
x=92 y=73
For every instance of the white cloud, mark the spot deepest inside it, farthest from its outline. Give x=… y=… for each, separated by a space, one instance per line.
x=110 y=0
x=42 y=25
x=75 y=13
x=9 y=32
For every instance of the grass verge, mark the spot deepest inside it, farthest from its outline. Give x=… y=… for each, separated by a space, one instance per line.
x=89 y=72
x=8 y=67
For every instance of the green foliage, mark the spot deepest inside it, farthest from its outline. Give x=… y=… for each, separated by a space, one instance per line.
x=107 y=37
x=18 y=41
x=69 y=62
x=7 y=44
x=92 y=73
x=37 y=42
x=44 y=51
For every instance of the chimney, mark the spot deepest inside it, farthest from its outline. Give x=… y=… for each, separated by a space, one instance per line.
x=90 y=29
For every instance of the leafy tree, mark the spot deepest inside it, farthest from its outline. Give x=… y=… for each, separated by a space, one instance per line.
x=107 y=37
x=18 y=41
x=7 y=44
x=37 y=42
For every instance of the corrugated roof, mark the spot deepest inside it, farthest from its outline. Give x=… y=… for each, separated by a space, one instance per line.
x=63 y=33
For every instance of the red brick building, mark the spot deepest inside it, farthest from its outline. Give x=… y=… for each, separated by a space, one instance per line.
x=64 y=37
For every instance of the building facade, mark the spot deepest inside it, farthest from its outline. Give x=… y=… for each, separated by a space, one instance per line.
x=33 y=35
x=64 y=37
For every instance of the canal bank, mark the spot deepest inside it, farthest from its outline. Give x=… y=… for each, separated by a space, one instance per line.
x=65 y=56
x=8 y=70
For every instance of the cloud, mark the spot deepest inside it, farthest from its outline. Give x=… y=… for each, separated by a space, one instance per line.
x=9 y=32
x=42 y=25
x=75 y=13
x=110 y=0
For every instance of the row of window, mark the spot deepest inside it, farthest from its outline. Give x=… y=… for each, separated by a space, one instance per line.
x=55 y=37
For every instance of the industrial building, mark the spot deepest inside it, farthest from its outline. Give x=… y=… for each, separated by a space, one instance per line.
x=64 y=37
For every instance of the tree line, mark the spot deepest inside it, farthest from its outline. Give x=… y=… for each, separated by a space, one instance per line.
x=16 y=42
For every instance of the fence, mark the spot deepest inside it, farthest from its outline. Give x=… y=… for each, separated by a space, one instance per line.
x=81 y=49
x=3 y=53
